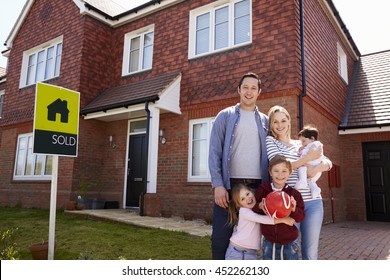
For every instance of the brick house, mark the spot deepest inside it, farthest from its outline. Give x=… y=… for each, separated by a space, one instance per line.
x=151 y=79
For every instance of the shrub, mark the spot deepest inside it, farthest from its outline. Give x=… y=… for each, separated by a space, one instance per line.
x=8 y=246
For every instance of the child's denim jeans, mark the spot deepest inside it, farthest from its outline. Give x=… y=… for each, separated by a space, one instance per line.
x=235 y=253
x=273 y=251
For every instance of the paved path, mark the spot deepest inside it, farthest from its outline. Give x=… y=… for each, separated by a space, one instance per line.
x=338 y=241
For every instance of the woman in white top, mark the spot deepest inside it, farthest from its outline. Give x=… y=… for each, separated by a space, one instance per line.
x=279 y=142
x=245 y=240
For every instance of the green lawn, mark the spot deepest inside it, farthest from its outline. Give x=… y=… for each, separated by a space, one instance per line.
x=76 y=236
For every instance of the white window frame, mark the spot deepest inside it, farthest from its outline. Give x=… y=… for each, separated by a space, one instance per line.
x=29 y=157
x=204 y=177
x=342 y=63
x=211 y=8
x=126 y=50
x=2 y=92
x=33 y=64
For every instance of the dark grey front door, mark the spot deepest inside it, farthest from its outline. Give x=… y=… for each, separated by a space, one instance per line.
x=136 y=169
x=376 y=157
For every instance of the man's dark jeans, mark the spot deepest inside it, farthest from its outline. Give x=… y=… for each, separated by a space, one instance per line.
x=222 y=230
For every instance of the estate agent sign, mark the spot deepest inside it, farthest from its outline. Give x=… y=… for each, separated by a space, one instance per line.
x=56 y=120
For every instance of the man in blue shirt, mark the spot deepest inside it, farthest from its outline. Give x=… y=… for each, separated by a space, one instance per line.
x=237 y=154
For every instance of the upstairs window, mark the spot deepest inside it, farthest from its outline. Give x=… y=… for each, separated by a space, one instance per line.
x=41 y=63
x=29 y=166
x=342 y=63
x=1 y=102
x=219 y=26
x=138 y=51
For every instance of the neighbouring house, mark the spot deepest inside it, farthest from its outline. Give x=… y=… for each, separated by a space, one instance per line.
x=152 y=78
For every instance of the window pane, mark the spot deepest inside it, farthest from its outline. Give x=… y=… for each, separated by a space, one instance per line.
x=241 y=22
x=39 y=161
x=138 y=126
x=30 y=70
x=134 y=54
x=48 y=165
x=200 y=131
x=49 y=63
x=148 y=51
x=202 y=33
x=199 y=158
x=58 y=60
x=29 y=160
x=241 y=8
x=40 y=66
x=1 y=103
x=147 y=62
x=29 y=164
x=21 y=155
x=203 y=21
x=221 y=28
x=148 y=39
x=134 y=58
x=199 y=150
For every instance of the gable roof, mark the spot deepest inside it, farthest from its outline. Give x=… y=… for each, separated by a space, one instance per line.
x=131 y=94
x=108 y=11
x=368 y=103
x=114 y=8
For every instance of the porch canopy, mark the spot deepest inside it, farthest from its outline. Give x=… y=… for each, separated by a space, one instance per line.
x=127 y=101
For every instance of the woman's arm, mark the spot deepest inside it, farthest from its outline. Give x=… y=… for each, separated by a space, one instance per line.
x=274 y=148
x=312 y=154
x=324 y=166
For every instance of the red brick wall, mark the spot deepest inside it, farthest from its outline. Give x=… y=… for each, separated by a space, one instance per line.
x=353 y=174
x=2 y=87
x=92 y=62
x=44 y=22
x=324 y=85
x=24 y=193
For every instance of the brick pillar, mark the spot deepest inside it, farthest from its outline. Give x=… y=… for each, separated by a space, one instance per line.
x=152 y=205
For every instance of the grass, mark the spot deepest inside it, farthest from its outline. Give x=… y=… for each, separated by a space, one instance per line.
x=76 y=237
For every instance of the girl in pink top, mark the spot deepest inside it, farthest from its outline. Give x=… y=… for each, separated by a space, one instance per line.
x=245 y=240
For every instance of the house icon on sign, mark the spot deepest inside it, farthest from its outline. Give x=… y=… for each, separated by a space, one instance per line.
x=58 y=107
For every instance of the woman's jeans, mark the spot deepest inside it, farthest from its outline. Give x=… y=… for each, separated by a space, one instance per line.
x=235 y=253
x=273 y=251
x=310 y=229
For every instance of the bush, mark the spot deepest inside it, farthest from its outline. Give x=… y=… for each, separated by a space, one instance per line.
x=8 y=245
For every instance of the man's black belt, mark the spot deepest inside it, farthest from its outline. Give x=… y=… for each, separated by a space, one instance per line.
x=245 y=181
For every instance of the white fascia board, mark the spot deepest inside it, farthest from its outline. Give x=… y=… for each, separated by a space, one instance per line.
x=330 y=12
x=116 y=111
x=170 y=98
x=364 y=130
x=128 y=18
x=14 y=31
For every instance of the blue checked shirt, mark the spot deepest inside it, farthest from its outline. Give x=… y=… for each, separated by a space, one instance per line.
x=221 y=144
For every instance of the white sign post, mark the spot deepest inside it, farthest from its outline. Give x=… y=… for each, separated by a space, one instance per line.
x=56 y=124
x=53 y=208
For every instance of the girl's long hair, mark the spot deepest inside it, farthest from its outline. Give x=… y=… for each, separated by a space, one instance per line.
x=234 y=203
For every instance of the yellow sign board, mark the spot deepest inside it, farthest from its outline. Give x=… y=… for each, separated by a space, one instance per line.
x=56 y=120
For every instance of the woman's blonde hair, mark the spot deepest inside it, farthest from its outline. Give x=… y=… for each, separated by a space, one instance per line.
x=271 y=116
x=234 y=203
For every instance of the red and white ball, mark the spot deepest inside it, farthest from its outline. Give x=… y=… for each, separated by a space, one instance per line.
x=278 y=204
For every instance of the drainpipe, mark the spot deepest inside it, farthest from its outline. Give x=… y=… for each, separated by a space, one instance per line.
x=303 y=71
x=142 y=196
